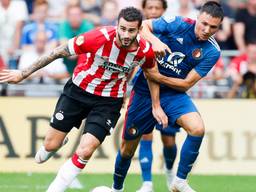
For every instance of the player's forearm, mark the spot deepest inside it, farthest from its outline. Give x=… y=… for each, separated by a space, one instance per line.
x=58 y=52
x=174 y=83
x=146 y=31
x=154 y=92
x=239 y=31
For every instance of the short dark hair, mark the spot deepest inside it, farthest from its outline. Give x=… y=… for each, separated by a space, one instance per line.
x=213 y=8
x=164 y=3
x=131 y=14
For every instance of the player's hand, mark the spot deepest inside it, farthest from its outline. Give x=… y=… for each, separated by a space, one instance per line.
x=160 y=49
x=160 y=116
x=10 y=76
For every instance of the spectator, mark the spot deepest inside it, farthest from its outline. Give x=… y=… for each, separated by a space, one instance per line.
x=2 y=64
x=53 y=72
x=240 y=70
x=245 y=25
x=224 y=35
x=249 y=86
x=13 y=14
x=74 y=25
x=39 y=23
x=122 y=4
x=109 y=12
x=29 y=4
x=187 y=9
x=92 y=10
x=56 y=10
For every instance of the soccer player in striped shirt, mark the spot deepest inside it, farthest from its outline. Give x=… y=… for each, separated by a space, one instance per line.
x=95 y=91
x=192 y=52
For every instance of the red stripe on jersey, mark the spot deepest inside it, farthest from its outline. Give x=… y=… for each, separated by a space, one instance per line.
x=121 y=57
x=102 y=85
x=107 y=49
x=120 y=61
x=89 y=78
x=115 y=88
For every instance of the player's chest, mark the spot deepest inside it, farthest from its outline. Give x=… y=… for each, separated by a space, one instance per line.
x=185 y=51
x=119 y=62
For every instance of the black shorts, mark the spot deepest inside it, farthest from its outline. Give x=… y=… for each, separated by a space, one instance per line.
x=75 y=104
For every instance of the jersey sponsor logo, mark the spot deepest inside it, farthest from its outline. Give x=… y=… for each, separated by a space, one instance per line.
x=113 y=67
x=197 y=53
x=80 y=40
x=172 y=61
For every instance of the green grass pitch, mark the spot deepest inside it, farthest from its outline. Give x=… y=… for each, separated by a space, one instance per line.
x=24 y=182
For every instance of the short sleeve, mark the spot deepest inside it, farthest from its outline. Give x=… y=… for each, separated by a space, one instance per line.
x=84 y=43
x=206 y=65
x=164 y=24
x=149 y=59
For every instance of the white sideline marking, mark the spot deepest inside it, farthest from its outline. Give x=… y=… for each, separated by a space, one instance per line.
x=23 y=187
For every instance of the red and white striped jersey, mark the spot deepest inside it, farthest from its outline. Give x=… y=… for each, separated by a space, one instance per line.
x=106 y=66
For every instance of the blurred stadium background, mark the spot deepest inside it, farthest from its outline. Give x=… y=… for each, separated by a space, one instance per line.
x=225 y=98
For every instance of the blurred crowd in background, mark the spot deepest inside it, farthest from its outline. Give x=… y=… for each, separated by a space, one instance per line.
x=31 y=28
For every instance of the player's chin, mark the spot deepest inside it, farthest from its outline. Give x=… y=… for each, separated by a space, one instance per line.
x=204 y=37
x=126 y=44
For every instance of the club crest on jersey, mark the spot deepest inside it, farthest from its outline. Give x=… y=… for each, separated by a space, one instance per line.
x=80 y=40
x=197 y=53
x=133 y=131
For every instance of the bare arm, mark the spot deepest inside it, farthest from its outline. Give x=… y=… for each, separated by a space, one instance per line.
x=154 y=88
x=239 y=31
x=176 y=83
x=158 y=46
x=15 y=76
x=58 y=52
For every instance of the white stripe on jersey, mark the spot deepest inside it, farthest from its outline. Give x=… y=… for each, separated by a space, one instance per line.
x=214 y=43
x=105 y=33
x=107 y=74
x=107 y=90
x=114 y=53
x=130 y=57
x=121 y=86
x=147 y=47
x=82 y=75
x=71 y=46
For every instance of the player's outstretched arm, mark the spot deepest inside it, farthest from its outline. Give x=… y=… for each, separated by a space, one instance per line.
x=182 y=85
x=15 y=76
x=154 y=88
x=158 y=46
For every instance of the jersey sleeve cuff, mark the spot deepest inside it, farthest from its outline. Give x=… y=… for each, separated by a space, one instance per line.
x=71 y=46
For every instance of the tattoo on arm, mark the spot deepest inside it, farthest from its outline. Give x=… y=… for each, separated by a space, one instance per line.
x=58 y=52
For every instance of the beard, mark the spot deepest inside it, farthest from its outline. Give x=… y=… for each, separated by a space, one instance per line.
x=123 y=45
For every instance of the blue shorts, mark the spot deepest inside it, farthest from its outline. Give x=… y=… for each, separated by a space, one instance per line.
x=139 y=119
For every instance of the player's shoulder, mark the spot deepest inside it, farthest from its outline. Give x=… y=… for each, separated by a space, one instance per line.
x=106 y=33
x=144 y=45
x=178 y=23
x=213 y=46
